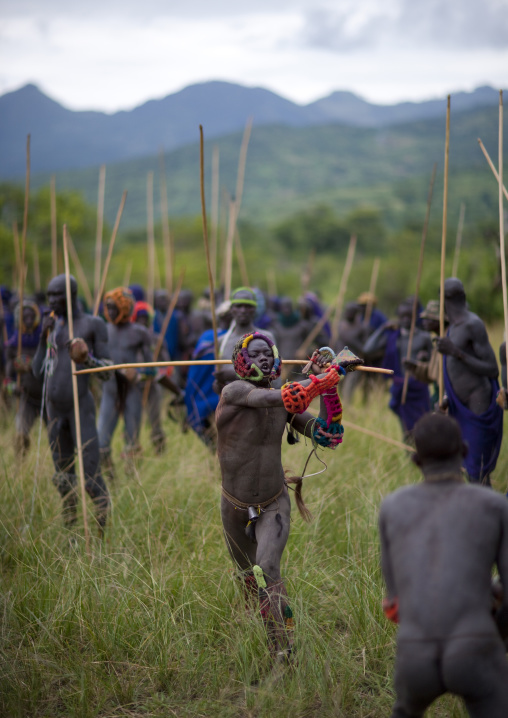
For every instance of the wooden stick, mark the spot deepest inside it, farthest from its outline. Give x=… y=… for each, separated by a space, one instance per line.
x=37 y=269
x=458 y=240
x=375 y=435
x=372 y=291
x=214 y=212
x=205 y=239
x=54 y=249
x=241 y=260
x=23 y=256
x=204 y=362
x=99 y=231
x=166 y=234
x=81 y=276
x=501 y=222
x=75 y=393
x=443 y=248
x=17 y=257
x=491 y=165
x=308 y=270
x=110 y=252
x=228 y=260
x=127 y=273
x=342 y=290
x=316 y=328
x=162 y=333
x=418 y=280
x=150 y=239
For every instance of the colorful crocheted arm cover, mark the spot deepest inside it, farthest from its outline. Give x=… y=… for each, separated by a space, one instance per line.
x=297 y=398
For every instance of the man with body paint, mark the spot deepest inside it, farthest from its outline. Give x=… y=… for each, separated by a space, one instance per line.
x=255 y=507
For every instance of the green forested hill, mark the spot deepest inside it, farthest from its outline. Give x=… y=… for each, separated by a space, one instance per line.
x=289 y=169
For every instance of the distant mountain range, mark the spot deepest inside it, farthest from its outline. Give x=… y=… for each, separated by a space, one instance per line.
x=63 y=139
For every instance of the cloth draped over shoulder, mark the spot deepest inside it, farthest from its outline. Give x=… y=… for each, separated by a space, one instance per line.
x=417 y=397
x=200 y=398
x=482 y=432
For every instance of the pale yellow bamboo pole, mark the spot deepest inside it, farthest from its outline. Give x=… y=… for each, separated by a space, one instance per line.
x=37 y=269
x=223 y=232
x=228 y=262
x=81 y=276
x=418 y=280
x=205 y=240
x=17 y=256
x=375 y=435
x=75 y=393
x=110 y=253
x=443 y=248
x=204 y=362
x=242 y=264
x=241 y=167
x=166 y=234
x=54 y=248
x=150 y=239
x=214 y=218
x=491 y=165
x=372 y=291
x=127 y=274
x=501 y=223
x=342 y=289
x=458 y=240
x=162 y=333
x=23 y=254
x=99 y=231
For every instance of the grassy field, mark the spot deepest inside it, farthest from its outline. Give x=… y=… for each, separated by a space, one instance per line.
x=154 y=623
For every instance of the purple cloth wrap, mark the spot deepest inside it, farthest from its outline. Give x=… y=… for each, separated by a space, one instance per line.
x=417 y=398
x=482 y=432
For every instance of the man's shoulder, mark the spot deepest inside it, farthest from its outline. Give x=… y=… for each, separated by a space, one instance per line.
x=399 y=496
x=235 y=389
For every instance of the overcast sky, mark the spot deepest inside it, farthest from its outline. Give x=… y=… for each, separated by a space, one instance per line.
x=115 y=54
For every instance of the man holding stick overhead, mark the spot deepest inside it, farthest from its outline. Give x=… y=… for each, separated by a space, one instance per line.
x=251 y=418
x=52 y=362
x=470 y=382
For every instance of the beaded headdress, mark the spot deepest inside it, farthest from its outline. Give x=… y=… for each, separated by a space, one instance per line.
x=243 y=365
x=123 y=299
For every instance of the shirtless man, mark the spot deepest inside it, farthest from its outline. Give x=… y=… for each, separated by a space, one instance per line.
x=243 y=311
x=120 y=394
x=290 y=330
x=53 y=359
x=251 y=418
x=470 y=379
x=393 y=338
x=439 y=542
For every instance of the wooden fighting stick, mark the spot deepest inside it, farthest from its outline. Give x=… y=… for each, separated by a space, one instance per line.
x=443 y=249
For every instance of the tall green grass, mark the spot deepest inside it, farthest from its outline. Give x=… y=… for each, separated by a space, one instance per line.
x=154 y=623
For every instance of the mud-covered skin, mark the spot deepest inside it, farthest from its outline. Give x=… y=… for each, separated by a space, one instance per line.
x=60 y=400
x=439 y=542
x=471 y=361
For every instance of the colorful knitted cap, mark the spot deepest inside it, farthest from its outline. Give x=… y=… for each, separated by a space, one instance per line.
x=123 y=299
x=31 y=305
x=243 y=365
x=143 y=309
x=244 y=300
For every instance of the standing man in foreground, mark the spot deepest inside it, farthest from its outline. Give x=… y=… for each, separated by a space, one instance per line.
x=470 y=382
x=439 y=542
x=251 y=418
x=52 y=362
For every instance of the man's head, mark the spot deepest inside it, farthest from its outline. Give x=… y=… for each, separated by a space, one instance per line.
x=255 y=357
x=142 y=314
x=161 y=300
x=118 y=305
x=351 y=311
x=430 y=316
x=439 y=445
x=243 y=306
x=57 y=297
x=454 y=291
x=31 y=316
x=405 y=315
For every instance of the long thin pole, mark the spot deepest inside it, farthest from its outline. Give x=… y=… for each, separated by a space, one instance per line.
x=214 y=211
x=99 y=232
x=23 y=253
x=150 y=239
x=376 y=435
x=37 y=269
x=205 y=240
x=418 y=280
x=458 y=240
x=17 y=257
x=79 y=270
x=228 y=261
x=204 y=362
x=54 y=248
x=110 y=253
x=501 y=222
x=342 y=290
x=166 y=234
x=443 y=248
x=491 y=165
x=372 y=291
x=127 y=273
x=75 y=393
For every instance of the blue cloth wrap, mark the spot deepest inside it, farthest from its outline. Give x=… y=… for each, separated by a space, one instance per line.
x=482 y=432
x=200 y=398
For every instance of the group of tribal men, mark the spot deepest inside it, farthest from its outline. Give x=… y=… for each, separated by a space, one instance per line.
x=439 y=539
